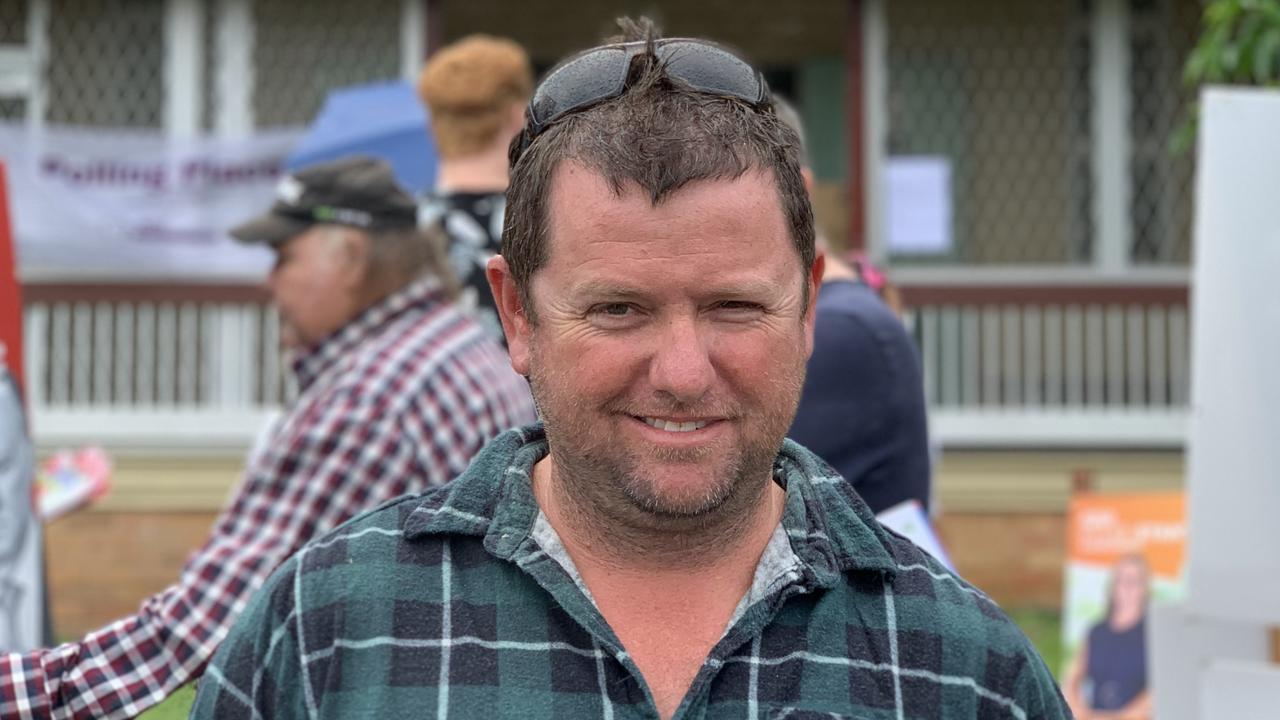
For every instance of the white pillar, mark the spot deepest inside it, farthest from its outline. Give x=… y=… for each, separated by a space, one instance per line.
x=1233 y=459
x=875 y=96
x=234 y=73
x=183 y=67
x=1112 y=186
x=38 y=58
x=413 y=40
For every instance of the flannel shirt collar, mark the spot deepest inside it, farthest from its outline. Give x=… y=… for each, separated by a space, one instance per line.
x=312 y=362
x=831 y=530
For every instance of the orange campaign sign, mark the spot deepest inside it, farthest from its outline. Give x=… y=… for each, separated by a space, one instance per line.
x=1105 y=528
x=1125 y=552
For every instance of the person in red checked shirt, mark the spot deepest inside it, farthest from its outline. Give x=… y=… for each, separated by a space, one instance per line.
x=397 y=391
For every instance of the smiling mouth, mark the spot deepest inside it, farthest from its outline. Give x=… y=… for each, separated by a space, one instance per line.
x=670 y=426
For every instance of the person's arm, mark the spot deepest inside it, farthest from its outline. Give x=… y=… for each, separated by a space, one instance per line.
x=326 y=469
x=1072 y=685
x=256 y=672
x=1138 y=708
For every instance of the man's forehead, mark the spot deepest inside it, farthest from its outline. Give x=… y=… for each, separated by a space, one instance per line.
x=573 y=182
x=580 y=197
x=303 y=239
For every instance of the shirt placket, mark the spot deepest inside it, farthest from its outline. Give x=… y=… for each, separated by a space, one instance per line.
x=553 y=578
x=743 y=633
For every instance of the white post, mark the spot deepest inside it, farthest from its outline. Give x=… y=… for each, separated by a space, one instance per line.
x=875 y=94
x=231 y=358
x=1233 y=459
x=1112 y=188
x=38 y=57
x=413 y=38
x=34 y=343
x=183 y=67
x=233 y=77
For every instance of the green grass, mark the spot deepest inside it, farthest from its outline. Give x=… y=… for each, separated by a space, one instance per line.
x=1044 y=627
x=176 y=707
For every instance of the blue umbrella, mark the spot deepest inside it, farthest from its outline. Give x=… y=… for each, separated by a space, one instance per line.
x=386 y=120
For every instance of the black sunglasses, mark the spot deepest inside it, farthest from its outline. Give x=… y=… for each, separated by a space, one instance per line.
x=600 y=74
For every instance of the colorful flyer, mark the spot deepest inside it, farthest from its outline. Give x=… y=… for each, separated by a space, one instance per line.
x=69 y=480
x=1124 y=552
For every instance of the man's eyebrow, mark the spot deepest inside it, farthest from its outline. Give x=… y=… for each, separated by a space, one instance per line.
x=602 y=288
x=713 y=288
x=745 y=288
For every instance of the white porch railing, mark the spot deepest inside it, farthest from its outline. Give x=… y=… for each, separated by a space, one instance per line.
x=1100 y=365
x=140 y=369
x=182 y=369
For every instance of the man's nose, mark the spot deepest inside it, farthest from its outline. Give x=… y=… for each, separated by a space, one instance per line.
x=681 y=362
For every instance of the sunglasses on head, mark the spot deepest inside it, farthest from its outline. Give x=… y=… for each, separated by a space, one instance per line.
x=600 y=74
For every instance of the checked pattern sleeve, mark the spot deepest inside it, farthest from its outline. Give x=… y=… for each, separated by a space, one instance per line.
x=347 y=446
x=331 y=470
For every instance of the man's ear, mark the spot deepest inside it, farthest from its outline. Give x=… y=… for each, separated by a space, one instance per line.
x=814 y=279
x=515 y=117
x=513 y=122
x=515 y=319
x=355 y=249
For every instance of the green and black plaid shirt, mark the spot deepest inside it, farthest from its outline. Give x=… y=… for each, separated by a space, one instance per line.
x=462 y=603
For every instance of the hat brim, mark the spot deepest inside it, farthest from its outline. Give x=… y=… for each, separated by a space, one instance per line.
x=270 y=228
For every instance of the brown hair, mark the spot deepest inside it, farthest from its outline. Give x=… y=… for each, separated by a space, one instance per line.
x=469 y=87
x=399 y=256
x=660 y=135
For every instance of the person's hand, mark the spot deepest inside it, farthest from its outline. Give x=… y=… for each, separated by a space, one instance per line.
x=1079 y=709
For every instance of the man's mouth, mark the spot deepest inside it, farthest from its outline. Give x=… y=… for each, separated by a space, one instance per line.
x=675 y=426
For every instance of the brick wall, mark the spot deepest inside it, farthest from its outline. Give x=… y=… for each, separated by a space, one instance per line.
x=1017 y=559
x=102 y=564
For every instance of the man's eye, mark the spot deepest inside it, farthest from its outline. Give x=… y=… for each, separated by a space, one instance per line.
x=615 y=315
x=614 y=309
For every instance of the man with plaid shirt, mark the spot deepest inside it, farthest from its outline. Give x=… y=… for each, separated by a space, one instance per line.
x=654 y=548
x=397 y=391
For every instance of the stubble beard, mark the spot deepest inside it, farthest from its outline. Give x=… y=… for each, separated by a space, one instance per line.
x=615 y=499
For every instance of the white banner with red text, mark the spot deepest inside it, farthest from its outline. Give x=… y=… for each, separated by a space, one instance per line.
x=134 y=205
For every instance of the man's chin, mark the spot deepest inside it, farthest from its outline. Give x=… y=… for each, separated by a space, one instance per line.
x=681 y=492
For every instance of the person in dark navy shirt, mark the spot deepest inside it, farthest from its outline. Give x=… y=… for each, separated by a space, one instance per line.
x=862 y=409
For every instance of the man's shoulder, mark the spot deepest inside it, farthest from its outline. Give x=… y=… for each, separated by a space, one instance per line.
x=437 y=345
x=362 y=547
x=385 y=520
x=954 y=642
x=927 y=594
x=920 y=575
x=463 y=507
x=941 y=610
x=434 y=328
